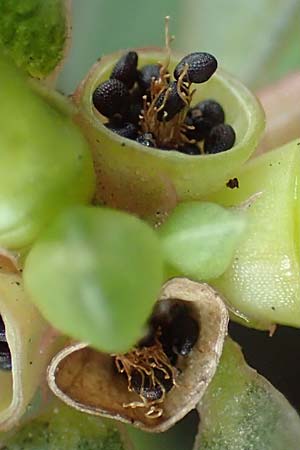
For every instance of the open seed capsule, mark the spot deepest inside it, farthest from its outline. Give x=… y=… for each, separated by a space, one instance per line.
x=162 y=178
x=144 y=387
x=26 y=346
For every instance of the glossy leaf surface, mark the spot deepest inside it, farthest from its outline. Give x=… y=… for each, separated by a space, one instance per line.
x=95 y=275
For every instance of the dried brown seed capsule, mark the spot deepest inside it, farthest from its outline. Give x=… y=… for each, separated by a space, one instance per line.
x=156 y=396
x=221 y=138
x=5 y=356
x=127 y=129
x=201 y=66
x=125 y=69
x=111 y=97
x=147 y=74
x=169 y=103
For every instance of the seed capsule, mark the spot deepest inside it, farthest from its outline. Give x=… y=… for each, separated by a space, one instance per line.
x=125 y=69
x=127 y=129
x=2 y=331
x=201 y=66
x=146 y=74
x=173 y=104
x=111 y=97
x=221 y=138
x=5 y=356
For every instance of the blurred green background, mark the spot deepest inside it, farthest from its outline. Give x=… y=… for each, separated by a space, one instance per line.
x=258 y=40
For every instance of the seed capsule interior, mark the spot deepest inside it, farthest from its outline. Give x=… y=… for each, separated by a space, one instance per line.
x=146 y=97
x=5 y=355
x=154 y=365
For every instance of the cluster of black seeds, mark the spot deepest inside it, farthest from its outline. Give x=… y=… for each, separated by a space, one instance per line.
x=147 y=106
x=154 y=364
x=5 y=356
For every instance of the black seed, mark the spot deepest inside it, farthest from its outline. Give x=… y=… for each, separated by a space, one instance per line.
x=201 y=126
x=144 y=387
x=127 y=130
x=201 y=67
x=185 y=331
x=5 y=356
x=174 y=103
x=111 y=97
x=2 y=331
x=212 y=111
x=189 y=149
x=233 y=183
x=221 y=138
x=164 y=379
x=166 y=340
x=146 y=139
x=149 y=339
x=125 y=69
x=146 y=74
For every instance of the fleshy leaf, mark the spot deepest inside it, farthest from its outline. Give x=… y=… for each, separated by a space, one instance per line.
x=199 y=239
x=241 y=410
x=34 y=33
x=63 y=428
x=95 y=274
x=46 y=163
x=263 y=280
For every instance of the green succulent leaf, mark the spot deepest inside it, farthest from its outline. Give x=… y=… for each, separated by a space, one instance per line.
x=34 y=34
x=242 y=411
x=95 y=275
x=199 y=239
x=263 y=280
x=64 y=428
x=46 y=163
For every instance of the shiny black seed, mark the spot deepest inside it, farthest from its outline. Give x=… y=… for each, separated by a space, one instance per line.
x=201 y=66
x=221 y=138
x=125 y=69
x=143 y=386
x=146 y=74
x=201 y=125
x=185 y=333
x=146 y=139
x=166 y=340
x=212 y=111
x=189 y=149
x=2 y=331
x=174 y=103
x=111 y=97
x=127 y=129
x=5 y=356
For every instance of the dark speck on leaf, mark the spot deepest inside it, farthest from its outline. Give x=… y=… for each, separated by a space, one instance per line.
x=123 y=144
x=233 y=183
